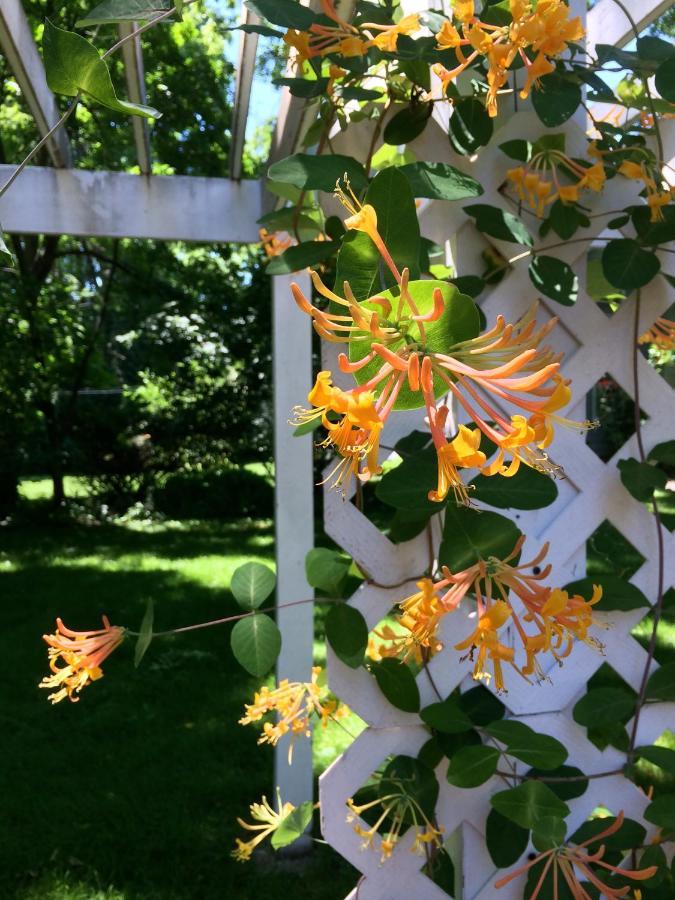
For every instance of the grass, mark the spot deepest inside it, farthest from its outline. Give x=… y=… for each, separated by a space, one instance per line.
x=133 y=791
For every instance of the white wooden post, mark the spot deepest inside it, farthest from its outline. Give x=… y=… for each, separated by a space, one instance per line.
x=294 y=517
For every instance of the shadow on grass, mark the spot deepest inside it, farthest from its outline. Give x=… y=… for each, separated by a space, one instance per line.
x=133 y=791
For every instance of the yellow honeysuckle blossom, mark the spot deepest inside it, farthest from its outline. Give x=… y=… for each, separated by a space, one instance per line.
x=268 y=820
x=82 y=653
x=545 y=28
x=388 y=36
x=543 y=619
x=274 y=243
x=538 y=183
x=661 y=334
x=397 y=808
x=572 y=866
x=294 y=702
x=461 y=452
x=657 y=197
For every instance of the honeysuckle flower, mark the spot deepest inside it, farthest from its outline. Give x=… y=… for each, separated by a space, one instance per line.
x=569 y=865
x=388 y=34
x=661 y=334
x=399 y=809
x=274 y=243
x=657 y=197
x=81 y=654
x=300 y=42
x=538 y=183
x=294 y=702
x=544 y=28
x=342 y=38
x=268 y=820
x=545 y=620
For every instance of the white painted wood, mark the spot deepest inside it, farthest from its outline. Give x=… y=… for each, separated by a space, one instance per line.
x=294 y=517
x=606 y=24
x=248 y=47
x=18 y=46
x=132 y=54
x=115 y=204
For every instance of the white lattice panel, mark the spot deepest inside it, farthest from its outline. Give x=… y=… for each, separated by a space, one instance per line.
x=592 y=492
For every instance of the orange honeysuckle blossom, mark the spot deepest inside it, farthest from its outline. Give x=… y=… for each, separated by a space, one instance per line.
x=388 y=34
x=82 y=653
x=537 y=190
x=398 y=809
x=546 y=620
x=657 y=197
x=268 y=820
x=274 y=243
x=569 y=865
x=661 y=334
x=545 y=29
x=294 y=702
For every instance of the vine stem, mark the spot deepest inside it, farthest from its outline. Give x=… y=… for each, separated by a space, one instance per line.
x=658 y=606
x=73 y=106
x=561 y=779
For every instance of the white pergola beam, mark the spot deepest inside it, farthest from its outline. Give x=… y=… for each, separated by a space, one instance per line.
x=606 y=24
x=18 y=46
x=135 y=77
x=116 y=204
x=248 y=47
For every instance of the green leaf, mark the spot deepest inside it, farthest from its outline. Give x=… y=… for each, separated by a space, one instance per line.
x=604 y=706
x=470 y=126
x=318 y=173
x=145 y=635
x=292 y=826
x=663 y=453
x=447 y=717
x=406 y=487
x=252 y=584
x=555 y=279
x=481 y=705
x=506 y=841
x=302 y=256
x=641 y=479
x=662 y=757
x=325 y=569
x=397 y=683
x=458 y=322
x=440 y=181
x=405 y=524
x=565 y=219
x=625 y=58
x=665 y=79
x=256 y=642
x=530 y=746
x=617 y=593
x=626 y=265
x=661 y=684
x=304 y=87
x=359 y=261
x=347 y=633
x=407 y=124
x=499 y=224
x=660 y=232
x=73 y=64
x=661 y=811
x=630 y=834
x=6 y=257
x=123 y=11
x=557 y=100
x=529 y=804
x=550 y=833
x=654 y=856
x=468 y=284
x=566 y=790
x=517 y=149
x=527 y=489
x=431 y=753
x=285 y=13
x=472 y=766
x=654 y=49
x=470 y=535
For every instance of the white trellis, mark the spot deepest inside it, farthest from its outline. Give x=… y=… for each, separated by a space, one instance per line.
x=591 y=493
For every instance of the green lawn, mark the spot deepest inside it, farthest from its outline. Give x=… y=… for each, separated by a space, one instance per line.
x=133 y=791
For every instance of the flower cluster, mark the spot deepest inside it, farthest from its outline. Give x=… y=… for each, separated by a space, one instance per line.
x=661 y=334
x=565 y=865
x=538 y=183
x=274 y=243
x=398 y=809
x=657 y=196
x=508 y=366
x=81 y=654
x=544 y=29
x=548 y=620
x=294 y=702
x=268 y=821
